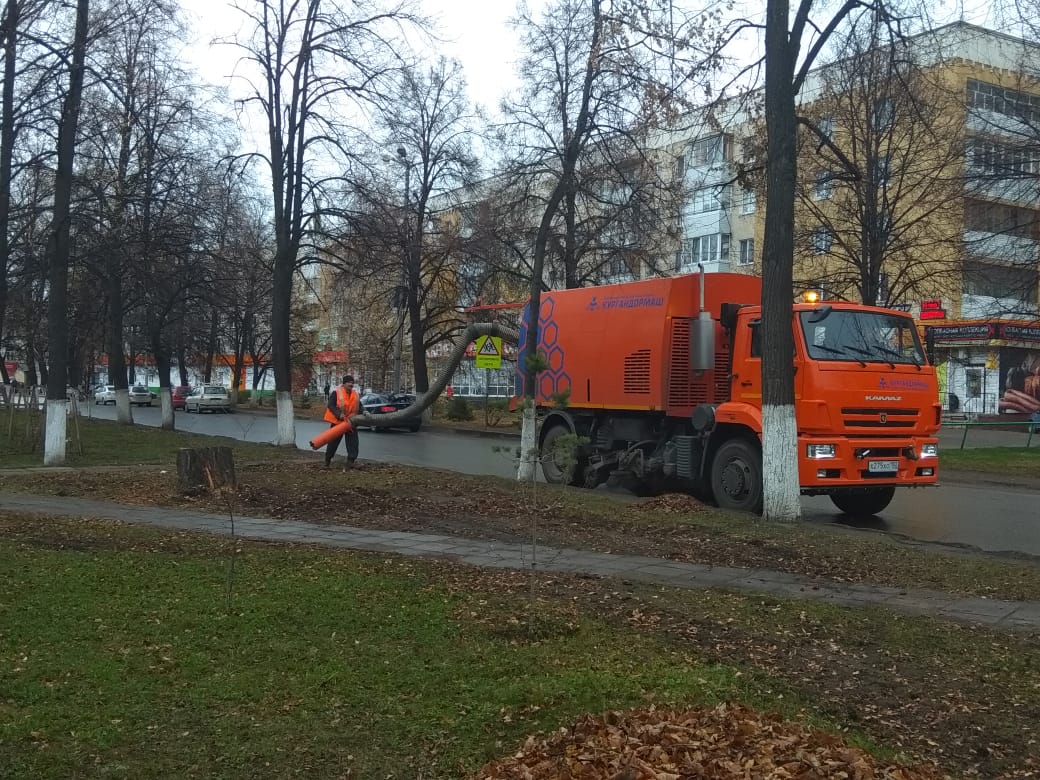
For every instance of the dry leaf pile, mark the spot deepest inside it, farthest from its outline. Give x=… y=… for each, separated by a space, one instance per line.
x=725 y=742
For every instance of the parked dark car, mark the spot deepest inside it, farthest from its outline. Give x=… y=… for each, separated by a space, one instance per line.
x=376 y=404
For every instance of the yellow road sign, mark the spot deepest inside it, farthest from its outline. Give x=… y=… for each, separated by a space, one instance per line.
x=488 y=352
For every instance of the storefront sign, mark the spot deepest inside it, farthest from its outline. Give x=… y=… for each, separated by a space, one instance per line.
x=978 y=332
x=1021 y=332
x=932 y=310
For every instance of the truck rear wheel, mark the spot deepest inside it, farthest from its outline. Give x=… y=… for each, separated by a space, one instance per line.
x=863 y=502
x=736 y=476
x=557 y=459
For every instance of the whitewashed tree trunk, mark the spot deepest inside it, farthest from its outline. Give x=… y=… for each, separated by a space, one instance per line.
x=124 y=412
x=526 y=472
x=54 y=437
x=167 y=409
x=286 y=420
x=781 y=501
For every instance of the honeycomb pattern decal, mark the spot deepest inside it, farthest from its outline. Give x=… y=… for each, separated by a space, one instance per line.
x=554 y=379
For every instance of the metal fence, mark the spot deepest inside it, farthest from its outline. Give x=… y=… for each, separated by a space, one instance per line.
x=1012 y=429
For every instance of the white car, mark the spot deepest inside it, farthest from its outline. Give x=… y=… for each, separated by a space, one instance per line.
x=106 y=394
x=208 y=398
x=140 y=396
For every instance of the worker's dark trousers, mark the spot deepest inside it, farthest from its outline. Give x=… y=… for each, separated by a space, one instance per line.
x=352 y=445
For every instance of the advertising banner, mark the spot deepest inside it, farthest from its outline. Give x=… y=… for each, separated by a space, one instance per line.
x=1019 y=381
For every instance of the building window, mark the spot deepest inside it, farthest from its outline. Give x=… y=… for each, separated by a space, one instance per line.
x=1009 y=102
x=823 y=186
x=884 y=114
x=826 y=127
x=747 y=251
x=1008 y=220
x=713 y=149
x=708 y=199
x=748 y=201
x=704 y=249
x=1000 y=281
x=822 y=238
x=988 y=158
x=882 y=170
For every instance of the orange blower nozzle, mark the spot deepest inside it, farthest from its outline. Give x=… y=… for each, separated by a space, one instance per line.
x=329 y=434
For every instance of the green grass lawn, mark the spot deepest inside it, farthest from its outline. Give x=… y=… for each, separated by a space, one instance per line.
x=1007 y=461
x=107 y=443
x=118 y=658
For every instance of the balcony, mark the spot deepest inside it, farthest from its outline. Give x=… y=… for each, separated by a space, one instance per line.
x=1020 y=190
x=712 y=267
x=990 y=307
x=1001 y=246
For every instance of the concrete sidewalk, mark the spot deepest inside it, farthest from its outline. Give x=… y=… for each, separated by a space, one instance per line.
x=1010 y=615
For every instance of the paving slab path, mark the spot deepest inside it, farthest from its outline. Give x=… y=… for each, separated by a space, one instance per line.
x=1011 y=615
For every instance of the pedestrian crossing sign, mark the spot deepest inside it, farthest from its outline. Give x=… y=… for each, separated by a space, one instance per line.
x=489 y=352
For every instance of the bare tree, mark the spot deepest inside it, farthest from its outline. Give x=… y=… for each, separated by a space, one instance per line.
x=428 y=119
x=314 y=64
x=24 y=81
x=786 y=68
x=58 y=246
x=884 y=146
x=594 y=86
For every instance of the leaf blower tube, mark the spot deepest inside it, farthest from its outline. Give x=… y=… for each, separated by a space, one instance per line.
x=329 y=434
x=471 y=332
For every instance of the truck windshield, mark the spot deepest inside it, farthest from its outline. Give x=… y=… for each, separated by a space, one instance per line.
x=864 y=337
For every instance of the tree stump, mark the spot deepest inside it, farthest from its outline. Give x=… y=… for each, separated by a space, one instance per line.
x=205 y=469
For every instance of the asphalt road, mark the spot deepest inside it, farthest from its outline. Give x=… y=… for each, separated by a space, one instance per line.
x=989 y=517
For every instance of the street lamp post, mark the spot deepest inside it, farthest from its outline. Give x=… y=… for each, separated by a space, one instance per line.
x=400 y=299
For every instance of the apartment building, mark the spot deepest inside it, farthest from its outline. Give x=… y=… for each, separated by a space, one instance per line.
x=920 y=191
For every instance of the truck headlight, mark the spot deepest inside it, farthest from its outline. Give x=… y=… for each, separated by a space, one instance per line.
x=819 y=451
x=929 y=450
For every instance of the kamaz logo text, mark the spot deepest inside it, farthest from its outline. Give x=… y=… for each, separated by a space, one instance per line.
x=882 y=398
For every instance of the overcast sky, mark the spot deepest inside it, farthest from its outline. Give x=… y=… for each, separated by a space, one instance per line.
x=476 y=33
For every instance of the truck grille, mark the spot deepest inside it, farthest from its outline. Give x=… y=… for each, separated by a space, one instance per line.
x=637 y=372
x=869 y=418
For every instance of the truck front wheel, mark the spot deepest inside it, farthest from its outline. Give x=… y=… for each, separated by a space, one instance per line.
x=863 y=502
x=561 y=465
x=736 y=476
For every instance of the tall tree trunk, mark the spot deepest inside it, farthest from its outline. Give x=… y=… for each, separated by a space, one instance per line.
x=182 y=364
x=116 y=356
x=31 y=377
x=163 y=366
x=58 y=246
x=779 y=431
x=280 y=347
x=211 y=349
x=12 y=17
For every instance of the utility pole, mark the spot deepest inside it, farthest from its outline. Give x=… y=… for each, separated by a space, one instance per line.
x=401 y=296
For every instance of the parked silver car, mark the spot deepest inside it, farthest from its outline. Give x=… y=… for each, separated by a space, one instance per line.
x=208 y=398
x=140 y=396
x=105 y=394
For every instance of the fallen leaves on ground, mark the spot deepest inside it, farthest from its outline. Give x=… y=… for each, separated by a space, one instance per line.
x=673 y=503
x=725 y=742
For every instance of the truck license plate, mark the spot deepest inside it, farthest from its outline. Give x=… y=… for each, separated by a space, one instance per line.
x=883 y=466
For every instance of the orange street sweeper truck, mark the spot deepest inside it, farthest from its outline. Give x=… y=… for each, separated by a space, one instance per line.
x=663 y=387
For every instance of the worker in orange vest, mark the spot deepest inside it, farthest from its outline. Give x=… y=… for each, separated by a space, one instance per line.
x=343 y=404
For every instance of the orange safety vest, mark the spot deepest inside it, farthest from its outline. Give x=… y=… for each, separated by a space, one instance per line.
x=349 y=404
